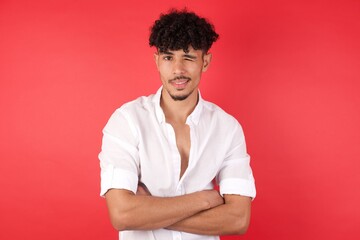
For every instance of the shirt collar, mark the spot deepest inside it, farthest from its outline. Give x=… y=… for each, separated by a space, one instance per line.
x=194 y=117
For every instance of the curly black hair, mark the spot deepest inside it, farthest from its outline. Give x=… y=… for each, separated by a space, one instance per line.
x=179 y=29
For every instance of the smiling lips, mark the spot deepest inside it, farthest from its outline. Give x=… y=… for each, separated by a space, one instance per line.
x=179 y=82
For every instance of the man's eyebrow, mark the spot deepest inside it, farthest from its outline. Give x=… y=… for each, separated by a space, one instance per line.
x=167 y=53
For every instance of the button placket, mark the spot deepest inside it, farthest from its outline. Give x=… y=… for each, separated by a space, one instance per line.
x=191 y=156
x=175 y=155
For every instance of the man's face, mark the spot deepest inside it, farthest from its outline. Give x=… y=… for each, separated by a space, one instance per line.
x=180 y=71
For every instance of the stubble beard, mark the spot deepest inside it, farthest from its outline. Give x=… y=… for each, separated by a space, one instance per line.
x=180 y=97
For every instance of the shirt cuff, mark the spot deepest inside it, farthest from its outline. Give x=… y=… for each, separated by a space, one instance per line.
x=238 y=186
x=117 y=178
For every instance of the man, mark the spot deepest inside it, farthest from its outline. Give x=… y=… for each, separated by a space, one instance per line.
x=161 y=153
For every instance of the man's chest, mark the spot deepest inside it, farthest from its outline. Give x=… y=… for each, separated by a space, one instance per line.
x=178 y=158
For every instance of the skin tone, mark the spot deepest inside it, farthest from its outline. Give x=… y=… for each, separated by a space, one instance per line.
x=204 y=212
x=180 y=73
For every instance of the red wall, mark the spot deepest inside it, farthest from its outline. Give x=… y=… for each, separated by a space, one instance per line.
x=288 y=70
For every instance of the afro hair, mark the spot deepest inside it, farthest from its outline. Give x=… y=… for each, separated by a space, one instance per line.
x=180 y=29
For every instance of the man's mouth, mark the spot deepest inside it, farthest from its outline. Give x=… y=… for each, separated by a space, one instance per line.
x=180 y=82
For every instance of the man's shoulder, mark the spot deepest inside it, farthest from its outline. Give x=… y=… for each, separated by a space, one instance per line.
x=142 y=102
x=216 y=112
x=221 y=121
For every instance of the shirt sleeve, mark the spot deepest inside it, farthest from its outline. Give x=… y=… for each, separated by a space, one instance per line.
x=235 y=175
x=119 y=156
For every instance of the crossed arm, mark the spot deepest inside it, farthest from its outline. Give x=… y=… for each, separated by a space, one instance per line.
x=204 y=212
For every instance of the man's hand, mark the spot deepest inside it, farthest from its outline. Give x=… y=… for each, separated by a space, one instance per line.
x=230 y=218
x=213 y=197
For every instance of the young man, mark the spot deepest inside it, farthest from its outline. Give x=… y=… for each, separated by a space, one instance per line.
x=161 y=153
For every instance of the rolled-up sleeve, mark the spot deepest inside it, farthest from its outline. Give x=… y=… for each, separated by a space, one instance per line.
x=119 y=156
x=235 y=175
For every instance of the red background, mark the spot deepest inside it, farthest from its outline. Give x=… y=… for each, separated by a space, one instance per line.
x=287 y=70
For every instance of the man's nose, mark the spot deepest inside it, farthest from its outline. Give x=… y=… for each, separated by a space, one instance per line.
x=178 y=67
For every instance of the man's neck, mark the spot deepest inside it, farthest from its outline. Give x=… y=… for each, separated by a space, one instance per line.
x=178 y=111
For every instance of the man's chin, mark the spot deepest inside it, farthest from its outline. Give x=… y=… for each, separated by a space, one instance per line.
x=179 y=97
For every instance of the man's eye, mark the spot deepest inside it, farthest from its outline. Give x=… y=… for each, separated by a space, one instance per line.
x=167 y=58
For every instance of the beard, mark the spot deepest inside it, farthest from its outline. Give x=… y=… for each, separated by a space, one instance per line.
x=180 y=97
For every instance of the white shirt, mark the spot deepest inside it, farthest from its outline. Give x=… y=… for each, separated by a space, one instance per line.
x=138 y=145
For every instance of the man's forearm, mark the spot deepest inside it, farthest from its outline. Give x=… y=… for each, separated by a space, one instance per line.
x=230 y=218
x=139 y=212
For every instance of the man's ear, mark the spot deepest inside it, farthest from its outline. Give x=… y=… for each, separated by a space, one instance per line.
x=156 y=58
x=207 y=59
